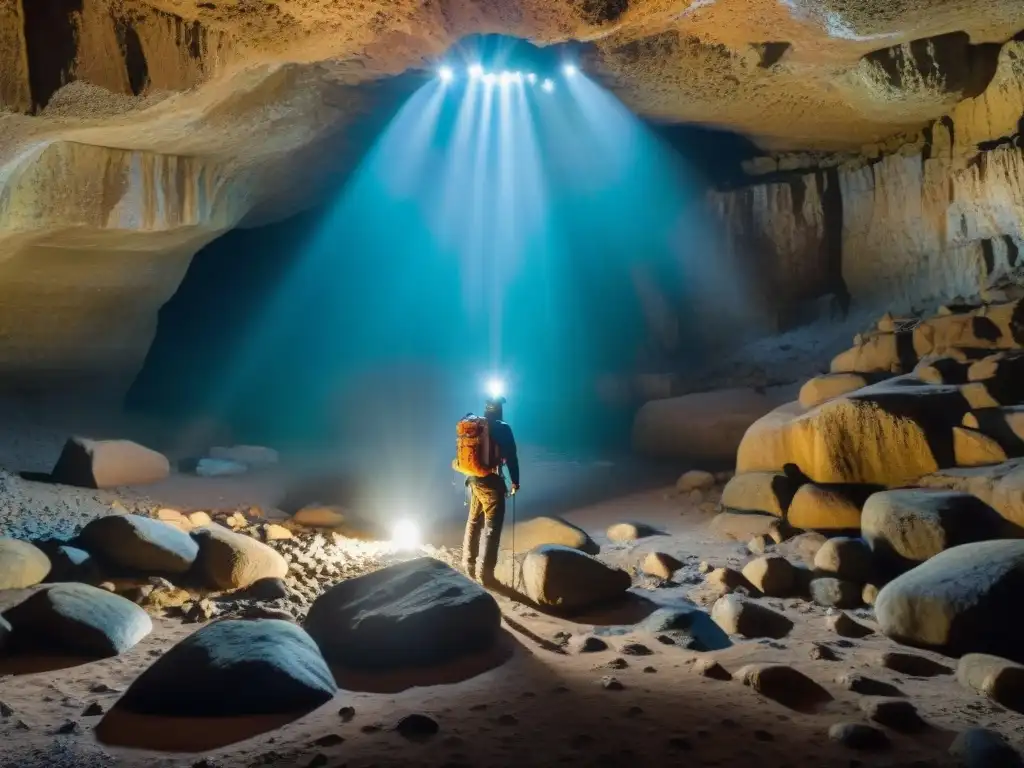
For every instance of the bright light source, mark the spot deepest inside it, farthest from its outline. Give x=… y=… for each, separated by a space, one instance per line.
x=570 y=70
x=405 y=535
x=446 y=74
x=548 y=85
x=489 y=78
x=476 y=71
x=532 y=78
x=519 y=77
x=495 y=388
x=506 y=78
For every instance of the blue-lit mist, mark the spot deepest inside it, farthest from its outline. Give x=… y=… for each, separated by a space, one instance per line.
x=492 y=229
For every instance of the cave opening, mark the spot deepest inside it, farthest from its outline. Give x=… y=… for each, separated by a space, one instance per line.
x=485 y=225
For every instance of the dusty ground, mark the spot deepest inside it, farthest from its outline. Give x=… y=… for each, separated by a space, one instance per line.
x=540 y=706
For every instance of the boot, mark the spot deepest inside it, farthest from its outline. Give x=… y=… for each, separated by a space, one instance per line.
x=490 y=539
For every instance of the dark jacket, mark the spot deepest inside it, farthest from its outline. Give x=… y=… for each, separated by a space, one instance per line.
x=501 y=434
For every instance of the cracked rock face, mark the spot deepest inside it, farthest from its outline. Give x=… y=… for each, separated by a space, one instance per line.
x=132 y=132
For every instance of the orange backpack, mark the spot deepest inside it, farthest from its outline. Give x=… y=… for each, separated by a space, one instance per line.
x=474 y=455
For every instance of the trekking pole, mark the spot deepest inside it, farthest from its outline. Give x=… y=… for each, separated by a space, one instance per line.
x=515 y=581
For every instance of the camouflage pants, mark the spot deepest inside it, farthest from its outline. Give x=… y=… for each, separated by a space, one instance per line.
x=483 y=528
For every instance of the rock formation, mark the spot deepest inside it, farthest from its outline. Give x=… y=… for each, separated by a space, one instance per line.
x=132 y=132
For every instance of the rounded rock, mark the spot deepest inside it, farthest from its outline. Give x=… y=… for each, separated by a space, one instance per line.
x=21 y=564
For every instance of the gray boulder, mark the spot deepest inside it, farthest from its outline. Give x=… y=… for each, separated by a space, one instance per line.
x=229 y=560
x=235 y=668
x=139 y=544
x=77 y=620
x=21 y=564
x=530 y=534
x=570 y=580
x=981 y=748
x=963 y=600
x=907 y=526
x=415 y=613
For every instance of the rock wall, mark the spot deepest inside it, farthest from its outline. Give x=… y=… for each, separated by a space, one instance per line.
x=940 y=216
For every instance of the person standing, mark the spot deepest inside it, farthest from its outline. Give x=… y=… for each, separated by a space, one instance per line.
x=485 y=447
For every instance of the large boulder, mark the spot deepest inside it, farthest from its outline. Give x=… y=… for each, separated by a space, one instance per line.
x=764 y=492
x=139 y=544
x=1001 y=486
x=705 y=425
x=1005 y=425
x=530 y=534
x=973 y=448
x=981 y=748
x=108 y=464
x=21 y=564
x=229 y=560
x=828 y=509
x=1000 y=679
x=829 y=385
x=882 y=353
x=963 y=600
x=907 y=526
x=885 y=434
x=77 y=620
x=570 y=580
x=415 y=613
x=235 y=668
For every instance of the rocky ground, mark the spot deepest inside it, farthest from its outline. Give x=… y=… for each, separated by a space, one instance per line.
x=614 y=683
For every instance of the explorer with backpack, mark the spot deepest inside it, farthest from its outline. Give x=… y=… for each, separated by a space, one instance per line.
x=484 y=446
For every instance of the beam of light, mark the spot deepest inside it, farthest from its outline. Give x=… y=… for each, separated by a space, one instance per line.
x=570 y=70
x=490 y=78
x=532 y=78
x=447 y=74
x=548 y=85
x=392 y=166
x=476 y=71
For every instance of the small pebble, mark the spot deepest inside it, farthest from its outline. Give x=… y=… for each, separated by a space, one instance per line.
x=69 y=726
x=346 y=714
x=611 y=684
x=93 y=710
